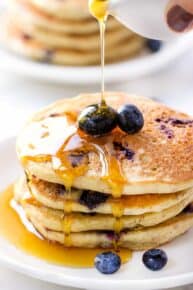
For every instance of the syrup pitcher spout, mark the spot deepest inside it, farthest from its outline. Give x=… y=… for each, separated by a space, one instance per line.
x=150 y=19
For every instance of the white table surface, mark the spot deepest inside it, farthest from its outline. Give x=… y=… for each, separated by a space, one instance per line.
x=20 y=97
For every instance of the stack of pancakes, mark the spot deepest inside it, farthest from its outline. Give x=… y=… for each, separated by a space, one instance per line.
x=64 y=32
x=133 y=191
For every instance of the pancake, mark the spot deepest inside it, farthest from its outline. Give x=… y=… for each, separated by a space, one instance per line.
x=29 y=14
x=63 y=40
x=56 y=197
x=140 y=239
x=25 y=45
x=59 y=220
x=70 y=37
x=68 y=9
x=158 y=159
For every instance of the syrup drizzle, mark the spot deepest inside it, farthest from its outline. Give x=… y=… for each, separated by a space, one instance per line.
x=31 y=242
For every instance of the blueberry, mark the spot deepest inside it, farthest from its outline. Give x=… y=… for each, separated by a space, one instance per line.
x=154 y=45
x=155 y=259
x=97 y=120
x=189 y=208
x=130 y=119
x=48 y=55
x=92 y=198
x=107 y=262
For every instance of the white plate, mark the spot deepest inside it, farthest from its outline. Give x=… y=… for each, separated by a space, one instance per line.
x=132 y=275
x=114 y=73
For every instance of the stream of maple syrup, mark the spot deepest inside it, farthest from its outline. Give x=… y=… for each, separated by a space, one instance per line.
x=15 y=227
x=99 y=9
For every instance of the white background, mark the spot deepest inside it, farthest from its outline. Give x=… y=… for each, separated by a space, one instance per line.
x=20 y=97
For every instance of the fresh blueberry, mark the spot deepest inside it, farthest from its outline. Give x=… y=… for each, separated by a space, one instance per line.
x=107 y=262
x=155 y=259
x=130 y=119
x=154 y=45
x=97 y=120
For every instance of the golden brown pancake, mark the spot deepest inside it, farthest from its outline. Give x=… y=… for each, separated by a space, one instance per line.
x=85 y=42
x=25 y=45
x=158 y=159
x=68 y=9
x=56 y=197
x=59 y=220
x=72 y=39
x=139 y=239
x=84 y=230
x=30 y=15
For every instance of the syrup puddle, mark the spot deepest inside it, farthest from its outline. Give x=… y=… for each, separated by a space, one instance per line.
x=15 y=227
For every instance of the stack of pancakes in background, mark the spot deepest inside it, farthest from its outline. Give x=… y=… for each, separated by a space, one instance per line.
x=133 y=191
x=64 y=32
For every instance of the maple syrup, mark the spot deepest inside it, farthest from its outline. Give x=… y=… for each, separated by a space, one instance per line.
x=19 y=231
x=99 y=9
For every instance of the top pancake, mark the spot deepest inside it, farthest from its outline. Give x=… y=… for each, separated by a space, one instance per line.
x=158 y=159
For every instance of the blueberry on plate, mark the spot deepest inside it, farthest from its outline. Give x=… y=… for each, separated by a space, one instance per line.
x=130 y=119
x=155 y=259
x=154 y=45
x=97 y=120
x=107 y=262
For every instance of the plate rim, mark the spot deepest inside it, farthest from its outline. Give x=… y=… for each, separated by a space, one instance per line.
x=68 y=280
x=64 y=74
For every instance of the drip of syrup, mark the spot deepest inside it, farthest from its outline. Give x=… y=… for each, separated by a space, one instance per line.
x=29 y=241
x=99 y=9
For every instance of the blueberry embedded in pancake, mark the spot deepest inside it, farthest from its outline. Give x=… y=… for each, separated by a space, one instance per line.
x=92 y=199
x=189 y=208
x=48 y=55
x=123 y=152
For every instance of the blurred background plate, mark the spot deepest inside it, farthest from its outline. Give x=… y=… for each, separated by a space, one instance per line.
x=114 y=73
